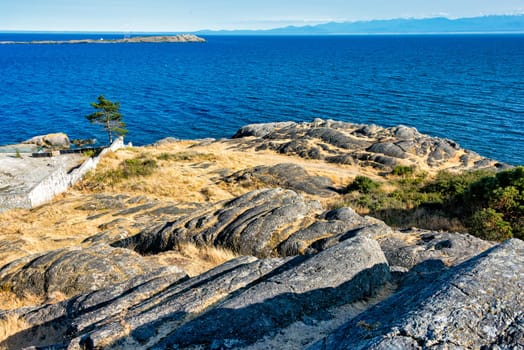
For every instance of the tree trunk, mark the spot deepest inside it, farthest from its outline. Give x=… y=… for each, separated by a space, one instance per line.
x=109 y=133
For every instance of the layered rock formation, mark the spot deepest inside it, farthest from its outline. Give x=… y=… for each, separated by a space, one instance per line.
x=322 y=280
x=365 y=145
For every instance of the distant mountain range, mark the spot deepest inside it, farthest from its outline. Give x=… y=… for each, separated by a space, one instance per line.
x=486 y=24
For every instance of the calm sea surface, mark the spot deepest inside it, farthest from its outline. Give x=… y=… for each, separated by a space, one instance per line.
x=467 y=88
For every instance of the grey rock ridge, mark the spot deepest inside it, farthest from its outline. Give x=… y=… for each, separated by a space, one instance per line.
x=309 y=278
x=73 y=270
x=475 y=305
x=359 y=144
x=262 y=223
x=287 y=175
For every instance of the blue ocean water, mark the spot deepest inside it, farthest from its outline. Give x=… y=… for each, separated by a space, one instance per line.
x=469 y=88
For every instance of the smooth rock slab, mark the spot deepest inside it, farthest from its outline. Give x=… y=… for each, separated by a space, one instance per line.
x=345 y=273
x=476 y=305
x=72 y=270
x=287 y=175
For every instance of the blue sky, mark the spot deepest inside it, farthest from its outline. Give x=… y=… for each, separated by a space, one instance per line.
x=191 y=15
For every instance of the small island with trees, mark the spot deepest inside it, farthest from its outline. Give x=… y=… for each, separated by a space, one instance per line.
x=179 y=38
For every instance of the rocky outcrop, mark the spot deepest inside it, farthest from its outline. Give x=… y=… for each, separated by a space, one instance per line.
x=72 y=271
x=288 y=175
x=476 y=305
x=412 y=247
x=58 y=140
x=365 y=145
x=263 y=223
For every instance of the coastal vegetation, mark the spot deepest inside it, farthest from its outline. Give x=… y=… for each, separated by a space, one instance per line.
x=108 y=115
x=139 y=166
x=487 y=204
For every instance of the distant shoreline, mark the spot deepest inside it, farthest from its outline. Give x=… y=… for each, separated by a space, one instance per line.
x=180 y=38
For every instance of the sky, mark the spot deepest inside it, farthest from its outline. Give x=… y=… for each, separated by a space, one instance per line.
x=193 y=15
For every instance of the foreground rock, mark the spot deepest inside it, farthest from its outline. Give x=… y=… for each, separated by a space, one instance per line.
x=237 y=303
x=476 y=305
x=323 y=279
x=363 y=145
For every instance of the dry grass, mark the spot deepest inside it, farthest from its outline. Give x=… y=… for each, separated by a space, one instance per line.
x=11 y=325
x=193 y=259
x=187 y=172
x=10 y=301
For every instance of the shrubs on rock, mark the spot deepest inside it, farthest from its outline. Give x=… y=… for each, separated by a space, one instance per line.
x=128 y=168
x=362 y=184
x=489 y=205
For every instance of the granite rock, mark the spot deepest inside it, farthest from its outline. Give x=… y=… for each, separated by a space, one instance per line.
x=476 y=305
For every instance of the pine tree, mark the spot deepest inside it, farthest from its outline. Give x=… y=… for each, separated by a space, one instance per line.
x=107 y=114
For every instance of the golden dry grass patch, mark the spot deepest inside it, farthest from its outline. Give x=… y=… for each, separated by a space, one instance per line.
x=193 y=259
x=11 y=301
x=11 y=325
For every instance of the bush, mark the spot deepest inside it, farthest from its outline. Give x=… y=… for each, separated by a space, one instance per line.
x=89 y=153
x=363 y=184
x=489 y=224
x=137 y=167
x=129 y=168
x=404 y=171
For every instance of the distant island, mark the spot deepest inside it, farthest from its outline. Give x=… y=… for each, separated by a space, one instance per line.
x=180 y=38
x=436 y=25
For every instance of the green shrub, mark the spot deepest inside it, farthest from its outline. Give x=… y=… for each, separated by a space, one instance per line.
x=89 y=153
x=489 y=205
x=489 y=224
x=137 y=167
x=129 y=168
x=18 y=154
x=186 y=156
x=404 y=171
x=363 y=184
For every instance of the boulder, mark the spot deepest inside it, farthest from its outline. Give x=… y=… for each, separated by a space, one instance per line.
x=413 y=247
x=252 y=224
x=475 y=305
x=57 y=140
x=405 y=132
x=388 y=149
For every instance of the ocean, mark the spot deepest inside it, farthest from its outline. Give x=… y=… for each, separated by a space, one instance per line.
x=469 y=88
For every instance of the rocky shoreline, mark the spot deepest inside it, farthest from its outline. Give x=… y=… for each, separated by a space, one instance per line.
x=179 y=38
x=304 y=275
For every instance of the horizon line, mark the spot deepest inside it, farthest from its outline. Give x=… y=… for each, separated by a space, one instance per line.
x=258 y=30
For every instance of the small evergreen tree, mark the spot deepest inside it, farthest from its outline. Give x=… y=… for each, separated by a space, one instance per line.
x=107 y=114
